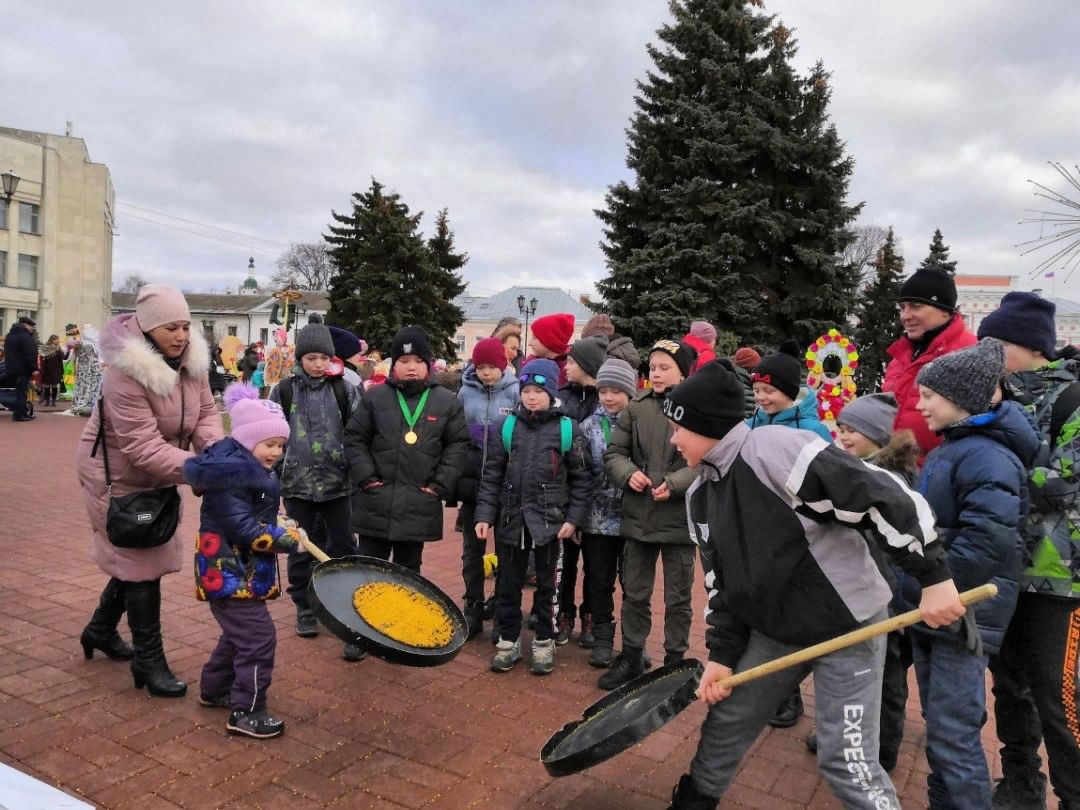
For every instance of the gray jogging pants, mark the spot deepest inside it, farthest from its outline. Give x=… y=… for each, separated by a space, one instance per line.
x=847 y=687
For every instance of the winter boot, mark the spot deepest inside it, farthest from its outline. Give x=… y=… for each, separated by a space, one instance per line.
x=603 y=648
x=507 y=654
x=629 y=664
x=215 y=701
x=543 y=657
x=307 y=626
x=353 y=652
x=811 y=744
x=489 y=608
x=686 y=797
x=149 y=667
x=474 y=617
x=788 y=713
x=587 y=637
x=673 y=658
x=1020 y=791
x=100 y=633
x=259 y=725
x=563 y=628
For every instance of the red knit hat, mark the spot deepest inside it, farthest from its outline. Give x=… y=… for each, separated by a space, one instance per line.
x=746 y=358
x=489 y=352
x=555 y=331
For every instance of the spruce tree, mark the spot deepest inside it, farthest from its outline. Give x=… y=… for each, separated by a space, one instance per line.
x=385 y=275
x=445 y=285
x=878 y=324
x=939 y=255
x=737 y=209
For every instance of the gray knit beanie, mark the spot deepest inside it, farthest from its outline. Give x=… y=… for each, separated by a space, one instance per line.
x=619 y=374
x=872 y=415
x=314 y=338
x=968 y=377
x=590 y=353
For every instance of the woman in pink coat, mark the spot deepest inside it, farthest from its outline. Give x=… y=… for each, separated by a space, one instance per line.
x=155 y=383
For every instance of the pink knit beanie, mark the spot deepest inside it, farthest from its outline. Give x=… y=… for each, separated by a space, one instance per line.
x=253 y=420
x=159 y=304
x=703 y=330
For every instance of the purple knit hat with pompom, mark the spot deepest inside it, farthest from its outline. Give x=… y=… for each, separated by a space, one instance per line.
x=253 y=420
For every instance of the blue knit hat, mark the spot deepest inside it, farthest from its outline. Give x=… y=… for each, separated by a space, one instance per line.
x=1025 y=319
x=543 y=373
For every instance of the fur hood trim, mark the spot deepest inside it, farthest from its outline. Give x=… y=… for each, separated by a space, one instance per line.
x=900 y=455
x=125 y=348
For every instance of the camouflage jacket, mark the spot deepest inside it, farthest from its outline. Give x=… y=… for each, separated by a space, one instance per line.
x=1051 y=531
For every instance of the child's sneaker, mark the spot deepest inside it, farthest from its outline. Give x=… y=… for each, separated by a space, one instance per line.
x=507 y=654
x=255 y=724
x=307 y=626
x=564 y=628
x=543 y=657
x=215 y=701
x=586 y=639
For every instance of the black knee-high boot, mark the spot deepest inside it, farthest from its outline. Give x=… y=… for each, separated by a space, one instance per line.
x=149 y=667
x=100 y=633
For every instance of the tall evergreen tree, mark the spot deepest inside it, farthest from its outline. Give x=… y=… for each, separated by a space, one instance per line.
x=445 y=285
x=385 y=276
x=878 y=325
x=939 y=255
x=737 y=209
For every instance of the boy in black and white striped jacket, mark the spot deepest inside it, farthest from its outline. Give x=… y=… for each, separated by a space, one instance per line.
x=777 y=515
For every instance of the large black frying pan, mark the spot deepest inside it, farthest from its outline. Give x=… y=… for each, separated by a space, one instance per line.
x=635 y=710
x=333 y=583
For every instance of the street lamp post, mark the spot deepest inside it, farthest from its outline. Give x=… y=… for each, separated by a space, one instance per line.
x=10 y=182
x=526 y=312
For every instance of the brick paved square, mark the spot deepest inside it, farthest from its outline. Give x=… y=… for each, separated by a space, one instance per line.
x=360 y=735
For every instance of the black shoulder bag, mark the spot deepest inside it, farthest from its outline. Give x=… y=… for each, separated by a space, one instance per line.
x=141 y=519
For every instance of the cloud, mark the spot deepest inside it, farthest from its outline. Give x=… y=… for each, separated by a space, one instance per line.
x=262 y=119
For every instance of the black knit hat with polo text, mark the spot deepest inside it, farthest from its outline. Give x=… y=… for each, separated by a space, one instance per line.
x=710 y=403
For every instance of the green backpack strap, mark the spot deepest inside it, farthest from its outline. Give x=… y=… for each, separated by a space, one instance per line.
x=508 y=432
x=566 y=433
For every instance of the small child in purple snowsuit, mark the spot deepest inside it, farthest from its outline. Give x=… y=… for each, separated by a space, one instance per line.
x=235 y=568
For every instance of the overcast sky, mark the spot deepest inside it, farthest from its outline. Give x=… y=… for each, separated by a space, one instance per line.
x=260 y=118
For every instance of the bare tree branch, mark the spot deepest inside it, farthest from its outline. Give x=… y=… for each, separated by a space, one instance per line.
x=133 y=283
x=863 y=249
x=304 y=266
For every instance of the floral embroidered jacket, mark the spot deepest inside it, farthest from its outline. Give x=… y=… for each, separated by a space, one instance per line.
x=239 y=528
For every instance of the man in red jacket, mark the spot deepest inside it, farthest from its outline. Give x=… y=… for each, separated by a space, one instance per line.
x=932 y=328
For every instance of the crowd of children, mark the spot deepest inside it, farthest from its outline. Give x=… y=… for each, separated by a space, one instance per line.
x=569 y=459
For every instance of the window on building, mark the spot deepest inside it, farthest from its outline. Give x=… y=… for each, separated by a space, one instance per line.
x=459 y=343
x=4 y=206
x=26 y=313
x=232 y=331
x=264 y=336
x=28 y=272
x=3 y=269
x=29 y=218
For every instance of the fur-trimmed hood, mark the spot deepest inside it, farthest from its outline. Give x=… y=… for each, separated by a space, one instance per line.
x=126 y=348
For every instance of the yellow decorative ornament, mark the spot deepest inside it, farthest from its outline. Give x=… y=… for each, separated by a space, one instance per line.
x=831 y=361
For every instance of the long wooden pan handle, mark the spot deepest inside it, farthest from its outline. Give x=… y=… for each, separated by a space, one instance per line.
x=313 y=549
x=980 y=594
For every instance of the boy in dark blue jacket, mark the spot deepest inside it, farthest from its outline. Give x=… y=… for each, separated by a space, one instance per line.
x=976 y=483
x=235 y=568
x=536 y=490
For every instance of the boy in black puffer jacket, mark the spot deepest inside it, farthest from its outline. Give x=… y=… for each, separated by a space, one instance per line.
x=235 y=568
x=536 y=490
x=406 y=445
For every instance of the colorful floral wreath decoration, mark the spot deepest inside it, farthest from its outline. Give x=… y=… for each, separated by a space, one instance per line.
x=833 y=381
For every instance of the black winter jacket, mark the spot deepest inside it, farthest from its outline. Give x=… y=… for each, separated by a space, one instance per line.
x=399 y=510
x=536 y=486
x=578 y=401
x=20 y=352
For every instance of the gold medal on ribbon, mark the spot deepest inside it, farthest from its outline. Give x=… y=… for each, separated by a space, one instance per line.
x=410 y=438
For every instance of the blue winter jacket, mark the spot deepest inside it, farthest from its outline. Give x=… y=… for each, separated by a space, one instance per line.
x=238 y=530
x=485 y=406
x=977 y=485
x=802 y=415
